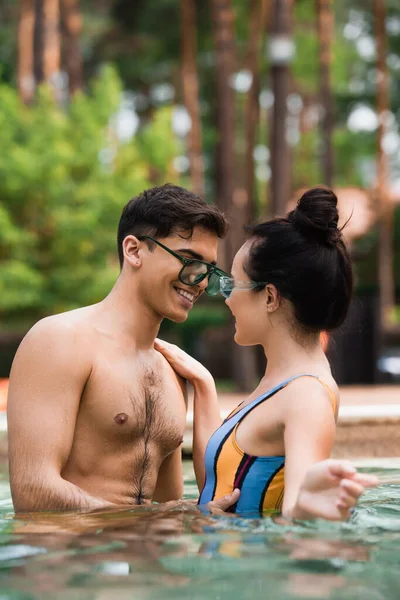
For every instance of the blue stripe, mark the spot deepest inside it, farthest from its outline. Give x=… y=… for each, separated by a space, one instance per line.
x=212 y=450
x=254 y=485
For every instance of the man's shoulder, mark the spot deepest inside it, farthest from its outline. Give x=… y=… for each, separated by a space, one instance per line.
x=54 y=345
x=71 y=325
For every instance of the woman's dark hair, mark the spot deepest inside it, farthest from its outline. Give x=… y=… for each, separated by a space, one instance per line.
x=162 y=211
x=306 y=259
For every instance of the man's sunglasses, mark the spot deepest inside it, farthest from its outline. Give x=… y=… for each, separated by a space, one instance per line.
x=194 y=271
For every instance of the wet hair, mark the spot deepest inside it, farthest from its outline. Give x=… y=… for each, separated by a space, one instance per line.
x=305 y=257
x=165 y=210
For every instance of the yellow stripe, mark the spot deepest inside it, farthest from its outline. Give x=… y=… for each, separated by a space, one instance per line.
x=231 y=549
x=331 y=393
x=274 y=496
x=227 y=465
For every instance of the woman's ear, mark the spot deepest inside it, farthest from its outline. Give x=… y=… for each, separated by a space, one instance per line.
x=272 y=298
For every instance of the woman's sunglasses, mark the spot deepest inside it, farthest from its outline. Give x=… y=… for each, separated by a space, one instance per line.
x=228 y=284
x=194 y=271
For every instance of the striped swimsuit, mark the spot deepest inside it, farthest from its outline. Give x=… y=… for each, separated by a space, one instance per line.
x=259 y=478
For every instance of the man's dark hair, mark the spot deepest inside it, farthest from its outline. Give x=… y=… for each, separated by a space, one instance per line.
x=162 y=211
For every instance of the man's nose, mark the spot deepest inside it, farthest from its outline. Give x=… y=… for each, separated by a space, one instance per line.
x=203 y=283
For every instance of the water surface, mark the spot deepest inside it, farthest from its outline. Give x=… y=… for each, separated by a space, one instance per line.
x=156 y=553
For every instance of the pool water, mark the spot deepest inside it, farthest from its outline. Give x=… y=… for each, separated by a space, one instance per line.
x=158 y=553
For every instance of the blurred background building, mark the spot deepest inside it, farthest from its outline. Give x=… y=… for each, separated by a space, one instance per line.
x=244 y=102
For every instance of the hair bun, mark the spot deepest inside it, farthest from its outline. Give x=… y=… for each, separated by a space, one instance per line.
x=316 y=216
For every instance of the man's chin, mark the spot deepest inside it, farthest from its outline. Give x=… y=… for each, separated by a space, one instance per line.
x=177 y=318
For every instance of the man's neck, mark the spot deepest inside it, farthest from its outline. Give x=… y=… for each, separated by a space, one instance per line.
x=123 y=312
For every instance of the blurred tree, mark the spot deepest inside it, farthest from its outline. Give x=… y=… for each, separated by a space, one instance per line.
x=143 y=41
x=233 y=199
x=51 y=41
x=191 y=93
x=38 y=41
x=26 y=80
x=38 y=46
x=325 y=26
x=260 y=11
x=71 y=21
x=63 y=182
x=385 y=205
x=223 y=19
x=280 y=57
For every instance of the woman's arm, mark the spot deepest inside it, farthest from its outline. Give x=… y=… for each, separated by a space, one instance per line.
x=315 y=487
x=309 y=431
x=206 y=420
x=206 y=414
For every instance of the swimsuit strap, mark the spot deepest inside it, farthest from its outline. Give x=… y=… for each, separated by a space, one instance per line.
x=236 y=417
x=332 y=396
x=242 y=412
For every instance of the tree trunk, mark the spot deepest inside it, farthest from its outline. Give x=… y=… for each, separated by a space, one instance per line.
x=51 y=39
x=71 y=29
x=229 y=197
x=384 y=204
x=325 y=26
x=26 y=79
x=225 y=57
x=280 y=50
x=259 y=14
x=38 y=41
x=191 y=93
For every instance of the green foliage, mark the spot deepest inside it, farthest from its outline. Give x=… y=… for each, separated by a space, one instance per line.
x=350 y=150
x=64 y=178
x=305 y=64
x=306 y=165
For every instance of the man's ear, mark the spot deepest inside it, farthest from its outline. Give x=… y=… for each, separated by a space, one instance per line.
x=131 y=248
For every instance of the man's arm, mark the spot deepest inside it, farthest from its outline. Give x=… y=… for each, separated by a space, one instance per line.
x=47 y=378
x=170 y=478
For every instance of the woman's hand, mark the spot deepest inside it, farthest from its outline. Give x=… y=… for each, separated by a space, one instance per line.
x=206 y=414
x=330 y=490
x=183 y=364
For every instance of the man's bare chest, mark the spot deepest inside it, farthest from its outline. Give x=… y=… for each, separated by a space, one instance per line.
x=134 y=403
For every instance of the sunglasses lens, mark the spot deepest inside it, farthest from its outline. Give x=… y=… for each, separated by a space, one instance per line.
x=213 y=287
x=193 y=273
x=225 y=286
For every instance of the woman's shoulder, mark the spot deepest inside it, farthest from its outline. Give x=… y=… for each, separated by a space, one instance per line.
x=311 y=391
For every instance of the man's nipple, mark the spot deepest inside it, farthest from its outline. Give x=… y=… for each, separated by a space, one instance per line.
x=121 y=418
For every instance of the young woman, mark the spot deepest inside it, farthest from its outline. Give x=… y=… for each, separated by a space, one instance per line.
x=290 y=281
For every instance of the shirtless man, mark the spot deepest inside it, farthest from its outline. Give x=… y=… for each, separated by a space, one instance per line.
x=96 y=416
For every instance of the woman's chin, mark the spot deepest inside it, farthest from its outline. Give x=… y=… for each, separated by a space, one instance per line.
x=243 y=341
x=239 y=339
